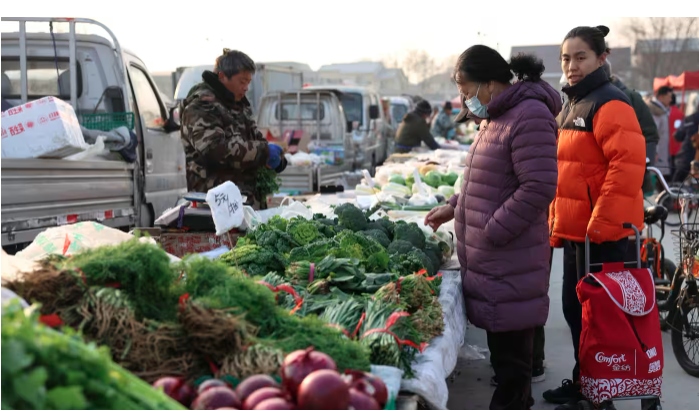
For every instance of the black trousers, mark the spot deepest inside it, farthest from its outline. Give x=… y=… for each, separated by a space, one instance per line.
x=511 y=356
x=574 y=269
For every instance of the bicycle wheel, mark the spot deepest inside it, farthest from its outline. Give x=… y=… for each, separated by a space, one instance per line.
x=685 y=335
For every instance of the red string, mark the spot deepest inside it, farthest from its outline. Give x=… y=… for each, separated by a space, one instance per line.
x=66 y=245
x=386 y=330
x=51 y=320
x=359 y=325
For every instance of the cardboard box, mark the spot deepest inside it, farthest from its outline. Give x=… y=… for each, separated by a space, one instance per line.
x=44 y=128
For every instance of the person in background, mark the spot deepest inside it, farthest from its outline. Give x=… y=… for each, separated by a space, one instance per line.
x=601 y=164
x=645 y=120
x=435 y=112
x=443 y=125
x=675 y=121
x=414 y=130
x=687 y=153
x=659 y=106
x=501 y=210
x=220 y=137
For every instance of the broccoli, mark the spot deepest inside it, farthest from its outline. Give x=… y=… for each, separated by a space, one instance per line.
x=434 y=253
x=400 y=247
x=411 y=233
x=378 y=235
x=351 y=217
x=411 y=262
x=360 y=246
x=303 y=231
x=373 y=225
x=388 y=225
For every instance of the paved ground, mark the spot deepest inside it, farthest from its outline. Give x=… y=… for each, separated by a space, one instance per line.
x=469 y=387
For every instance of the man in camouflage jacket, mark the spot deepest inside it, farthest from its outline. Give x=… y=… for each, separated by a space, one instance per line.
x=220 y=137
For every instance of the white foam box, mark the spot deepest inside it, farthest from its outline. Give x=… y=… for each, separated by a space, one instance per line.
x=44 y=128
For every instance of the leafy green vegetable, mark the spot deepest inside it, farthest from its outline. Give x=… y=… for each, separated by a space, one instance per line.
x=303 y=231
x=46 y=369
x=411 y=233
x=255 y=260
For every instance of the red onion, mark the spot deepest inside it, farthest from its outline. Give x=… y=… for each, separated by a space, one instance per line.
x=254 y=383
x=215 y=398
x=368 y=384
x=275 y=404
x=177 y=389
x=323 y=390
x=361 y=401
x=261 y=395
x=301 y=363
x=210 y=384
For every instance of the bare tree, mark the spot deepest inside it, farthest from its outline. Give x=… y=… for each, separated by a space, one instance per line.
x=662 y=46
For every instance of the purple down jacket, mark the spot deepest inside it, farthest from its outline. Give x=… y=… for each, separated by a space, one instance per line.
x=501 y=227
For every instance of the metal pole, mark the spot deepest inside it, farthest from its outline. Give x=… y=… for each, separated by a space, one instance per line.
x=318 y=116
x=73 y=69
x=23 y=60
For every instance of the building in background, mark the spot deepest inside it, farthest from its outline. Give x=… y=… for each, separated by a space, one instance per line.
x=366 y=74
x=661 y=58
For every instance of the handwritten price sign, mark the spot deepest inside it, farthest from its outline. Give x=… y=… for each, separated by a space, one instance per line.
x=226 y=205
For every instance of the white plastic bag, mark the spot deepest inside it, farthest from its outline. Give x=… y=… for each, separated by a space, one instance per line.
x=294 y=209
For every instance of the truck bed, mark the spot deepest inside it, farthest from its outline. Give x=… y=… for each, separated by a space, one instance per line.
x=42 y=193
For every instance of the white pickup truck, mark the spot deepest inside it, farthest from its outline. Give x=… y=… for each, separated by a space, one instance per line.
x=95 y=75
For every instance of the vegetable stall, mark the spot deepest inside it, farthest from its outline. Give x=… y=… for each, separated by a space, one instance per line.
x=364 y=291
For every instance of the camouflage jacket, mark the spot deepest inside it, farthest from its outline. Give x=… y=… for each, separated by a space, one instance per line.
x=220 y=138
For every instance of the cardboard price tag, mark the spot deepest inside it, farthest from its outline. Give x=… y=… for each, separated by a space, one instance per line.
x=226 y=205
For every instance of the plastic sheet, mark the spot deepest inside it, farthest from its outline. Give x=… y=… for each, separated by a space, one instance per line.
x=437 y=362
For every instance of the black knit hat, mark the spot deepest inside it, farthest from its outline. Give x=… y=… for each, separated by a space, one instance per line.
x=423 y=108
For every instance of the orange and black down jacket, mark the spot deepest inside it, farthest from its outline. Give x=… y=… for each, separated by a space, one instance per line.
x=601 y=164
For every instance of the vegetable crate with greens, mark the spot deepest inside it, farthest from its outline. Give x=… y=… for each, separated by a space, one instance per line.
x=374 y=280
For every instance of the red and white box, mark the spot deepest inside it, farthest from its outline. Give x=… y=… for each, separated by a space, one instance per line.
x=44 y=128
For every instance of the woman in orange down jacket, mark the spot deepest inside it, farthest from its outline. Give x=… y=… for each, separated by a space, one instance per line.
x=601 y=163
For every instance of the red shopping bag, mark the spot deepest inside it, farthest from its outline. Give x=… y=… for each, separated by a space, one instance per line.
x=621 y=348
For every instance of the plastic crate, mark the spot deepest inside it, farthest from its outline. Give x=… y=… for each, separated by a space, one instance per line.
x=107 y=121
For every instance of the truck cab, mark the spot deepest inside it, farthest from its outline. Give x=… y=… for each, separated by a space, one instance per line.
x=97 y=77
x=366 y=123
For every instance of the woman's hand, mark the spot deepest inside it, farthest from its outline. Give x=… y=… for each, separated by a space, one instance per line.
x=439 y=216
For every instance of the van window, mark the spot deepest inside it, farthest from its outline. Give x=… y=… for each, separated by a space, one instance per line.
x=45 y=77
x=398 y=111
x=353 y=106
x=146 y=98
x=290 y=111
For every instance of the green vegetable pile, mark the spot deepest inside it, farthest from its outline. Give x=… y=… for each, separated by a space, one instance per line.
x=343 y=269
x=46 y=369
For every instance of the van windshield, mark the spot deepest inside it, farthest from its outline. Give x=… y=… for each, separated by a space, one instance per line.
x=398 y=111
x=352 y=105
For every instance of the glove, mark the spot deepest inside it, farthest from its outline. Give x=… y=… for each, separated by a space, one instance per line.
x=282 y=166
x=275 y=156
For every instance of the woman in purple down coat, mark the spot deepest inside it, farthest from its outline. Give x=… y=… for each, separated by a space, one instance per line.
x=501 y=212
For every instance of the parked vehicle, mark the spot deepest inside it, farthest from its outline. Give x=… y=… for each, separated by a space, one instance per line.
x=366 y=122
x=95 y=75
x=268 y=78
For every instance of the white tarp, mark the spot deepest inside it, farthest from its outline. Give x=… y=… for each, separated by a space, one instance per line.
x=437 y=362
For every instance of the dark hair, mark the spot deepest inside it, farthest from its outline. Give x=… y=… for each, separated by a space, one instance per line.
x=232 y=62
x=423 y=108
x=481 y=64
x=663 y=91
x=447 y=105
x=593 y=36
x=673 y=101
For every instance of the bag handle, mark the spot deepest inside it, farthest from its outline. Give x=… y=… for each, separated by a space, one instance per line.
x=638 y=249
